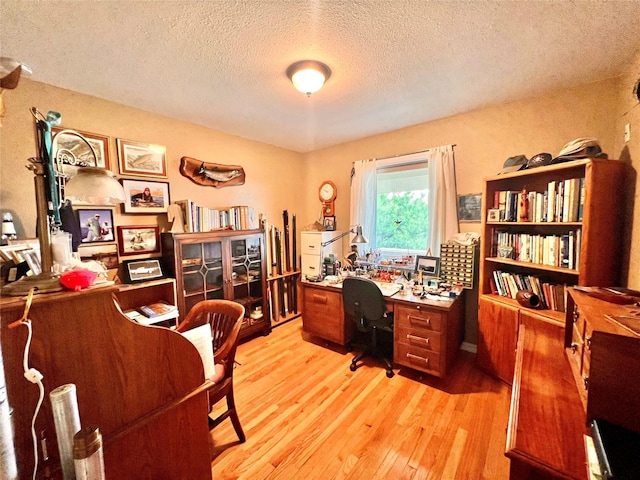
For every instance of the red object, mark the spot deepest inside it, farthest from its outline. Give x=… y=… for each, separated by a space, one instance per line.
x=78 y=279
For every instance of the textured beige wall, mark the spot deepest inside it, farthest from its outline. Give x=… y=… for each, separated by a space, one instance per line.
x=272 y=174
x=628 y=112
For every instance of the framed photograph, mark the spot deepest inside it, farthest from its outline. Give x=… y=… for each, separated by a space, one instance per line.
x=469 y=208
x=137 y=239
x=145 y=196
x=69 y=148
x=330 y=223
x=141 y=270
x=493 y=215
x=429 y=266
x=142 y=159
x=96 y=225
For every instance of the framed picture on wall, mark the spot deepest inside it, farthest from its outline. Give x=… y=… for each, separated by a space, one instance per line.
x=69 y=147
x=138 y=239
x=142 y=159
x=96 y=225
x=469 y=208
x=145 y=196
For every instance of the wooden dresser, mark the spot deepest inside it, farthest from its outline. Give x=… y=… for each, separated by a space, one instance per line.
x=604 y=358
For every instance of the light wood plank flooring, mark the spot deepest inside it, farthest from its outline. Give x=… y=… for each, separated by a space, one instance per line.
x=307 y=416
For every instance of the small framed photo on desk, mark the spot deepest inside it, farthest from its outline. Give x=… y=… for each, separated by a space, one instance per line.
x=330 y=223
x=429 y=266
x=142 y=270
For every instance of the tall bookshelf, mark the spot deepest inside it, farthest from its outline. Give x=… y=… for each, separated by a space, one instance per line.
x=575 y=243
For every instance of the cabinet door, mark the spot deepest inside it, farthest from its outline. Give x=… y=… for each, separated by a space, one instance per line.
x=246 y=285
x=497 y=338
x=202 y=272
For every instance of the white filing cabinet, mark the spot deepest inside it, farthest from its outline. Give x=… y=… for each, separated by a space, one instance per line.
x=313 y=253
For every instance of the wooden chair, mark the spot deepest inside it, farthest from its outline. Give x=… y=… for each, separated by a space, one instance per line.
x=225 y=318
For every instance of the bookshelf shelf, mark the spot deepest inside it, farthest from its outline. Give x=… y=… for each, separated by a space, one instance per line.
x=579 y=246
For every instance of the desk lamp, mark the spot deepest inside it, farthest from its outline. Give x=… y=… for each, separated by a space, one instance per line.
x=90 y=184
x=359 y=238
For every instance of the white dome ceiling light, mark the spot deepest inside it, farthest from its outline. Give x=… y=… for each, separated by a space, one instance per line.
x=308 y=76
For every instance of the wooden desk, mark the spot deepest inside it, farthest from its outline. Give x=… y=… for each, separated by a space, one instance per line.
x=427 y=333
x=142 y=386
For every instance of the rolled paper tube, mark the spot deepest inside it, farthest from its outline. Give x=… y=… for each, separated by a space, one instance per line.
x=527 y=298
x=66 y=418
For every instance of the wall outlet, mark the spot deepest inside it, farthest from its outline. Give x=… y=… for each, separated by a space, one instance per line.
x=627 y=132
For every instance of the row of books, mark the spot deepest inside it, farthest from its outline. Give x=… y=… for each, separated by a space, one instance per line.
x=562 y=201
x=551 y=295
x=204 y=219
x=555 y=250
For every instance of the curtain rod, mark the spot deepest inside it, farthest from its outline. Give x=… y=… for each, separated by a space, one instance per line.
x=410 y=153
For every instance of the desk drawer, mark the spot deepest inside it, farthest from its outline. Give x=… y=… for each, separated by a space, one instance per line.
x=322 y=315
x=418 y=358
x=423 y=339
x=418 y=319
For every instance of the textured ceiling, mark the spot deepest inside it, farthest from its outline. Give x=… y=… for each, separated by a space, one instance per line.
x=395 y=63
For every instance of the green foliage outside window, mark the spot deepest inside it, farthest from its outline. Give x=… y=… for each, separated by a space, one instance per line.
x=402 y=220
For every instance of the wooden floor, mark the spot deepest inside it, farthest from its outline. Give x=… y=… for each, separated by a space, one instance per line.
x=307 y=416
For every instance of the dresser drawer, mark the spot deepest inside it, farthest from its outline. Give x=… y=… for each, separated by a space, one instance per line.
x=421 y=338
x=418 y=358
x=418 y=319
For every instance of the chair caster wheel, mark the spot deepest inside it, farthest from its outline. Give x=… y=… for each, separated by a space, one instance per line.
x=353 y=367
x=390 y=373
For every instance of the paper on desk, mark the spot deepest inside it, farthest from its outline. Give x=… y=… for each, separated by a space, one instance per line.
x=201 y=339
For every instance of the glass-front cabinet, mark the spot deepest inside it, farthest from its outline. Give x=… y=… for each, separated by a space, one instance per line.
x=220 y=265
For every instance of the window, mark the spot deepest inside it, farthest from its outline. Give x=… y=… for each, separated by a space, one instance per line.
x=402 y=210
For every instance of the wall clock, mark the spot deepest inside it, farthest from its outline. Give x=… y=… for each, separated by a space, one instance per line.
x=327 y=194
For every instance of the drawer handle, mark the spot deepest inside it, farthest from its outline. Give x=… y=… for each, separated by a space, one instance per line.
x=413 y=319
x=311 y=268
x=311 y=246
x=574 y=348
x=588 y=341
x=585 y=380
x=576 y=314
x=413 y=337
x=416 y=357
x=319 y=299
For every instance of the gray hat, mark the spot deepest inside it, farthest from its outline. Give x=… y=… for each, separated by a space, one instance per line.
x=539 y=160
x=513 y=164
x=580 y=148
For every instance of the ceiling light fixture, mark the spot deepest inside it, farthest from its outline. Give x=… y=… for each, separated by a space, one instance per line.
x=308 y=76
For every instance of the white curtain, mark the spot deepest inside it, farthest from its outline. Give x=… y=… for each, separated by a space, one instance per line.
x=363 y=199
x=443 y=205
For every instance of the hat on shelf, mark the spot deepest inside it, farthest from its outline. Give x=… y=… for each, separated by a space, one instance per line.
x=539 y=160
x=580 y=148
x=513 y=164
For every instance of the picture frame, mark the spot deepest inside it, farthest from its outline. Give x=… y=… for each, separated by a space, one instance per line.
x=493 y=215
x=96 y=225
x=429 y=266
x=145 y=196
x=330 y=223
x=142 y=270
x=71 y=150
x=469 y=207
x=141 y=159
x=138 y=239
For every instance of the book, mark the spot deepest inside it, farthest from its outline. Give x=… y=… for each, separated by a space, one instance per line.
x=153 y=313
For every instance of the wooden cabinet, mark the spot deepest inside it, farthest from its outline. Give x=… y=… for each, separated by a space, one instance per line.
x=604 y=358
x=313 y=252
x=131 y=296
x=220 y=265
x=323 y=314
x=426 y=338
x=554 y=247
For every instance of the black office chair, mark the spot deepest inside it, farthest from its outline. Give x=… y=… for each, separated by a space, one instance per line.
x=363 y=300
